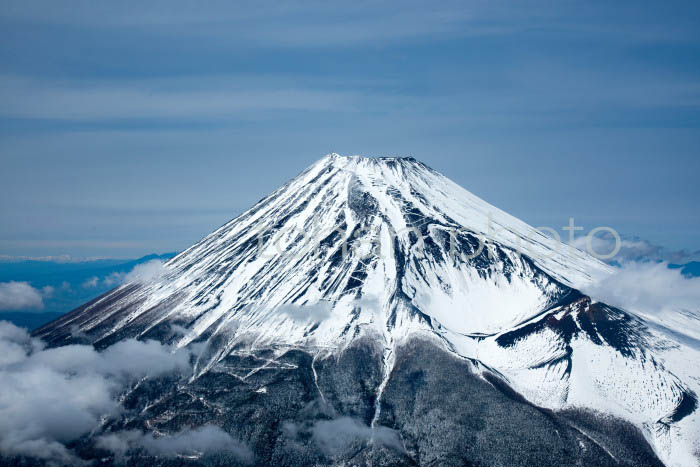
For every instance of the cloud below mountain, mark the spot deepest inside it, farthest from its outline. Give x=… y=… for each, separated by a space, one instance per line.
x=52 y=396
x=648 y=287
x=22 y=296
x=336 y=436
x=208 y=438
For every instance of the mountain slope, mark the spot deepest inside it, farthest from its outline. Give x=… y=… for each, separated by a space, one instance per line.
x=384 y=255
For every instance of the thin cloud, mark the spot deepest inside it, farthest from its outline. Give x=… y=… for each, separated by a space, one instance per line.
x=320 y=24
x=114 y=279
x=146 y=272
x=315 y=24
x=338 y=435
x=69 y=244
x=305 y=313
x=31 y=98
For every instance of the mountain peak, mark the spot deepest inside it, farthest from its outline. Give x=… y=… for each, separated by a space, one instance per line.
x=387 y=229
x=349 y=161
x=359 y=157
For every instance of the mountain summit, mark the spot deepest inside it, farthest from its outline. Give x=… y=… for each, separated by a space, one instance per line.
x=377 y=298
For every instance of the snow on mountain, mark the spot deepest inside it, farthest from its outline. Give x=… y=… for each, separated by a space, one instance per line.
x=387 y=249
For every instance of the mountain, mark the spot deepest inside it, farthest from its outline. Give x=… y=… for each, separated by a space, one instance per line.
x=371 y=311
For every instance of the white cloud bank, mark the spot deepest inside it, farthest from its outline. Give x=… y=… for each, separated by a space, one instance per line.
x=648 y=287
x=51 y=396
x=22 y=296
x=146 y=272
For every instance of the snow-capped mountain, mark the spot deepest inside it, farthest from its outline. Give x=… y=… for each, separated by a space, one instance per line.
x=386 y=296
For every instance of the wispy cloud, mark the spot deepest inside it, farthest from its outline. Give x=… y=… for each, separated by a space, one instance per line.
x=51 y=259
x=321 y=24
x=91 y=283
x=311 y=24
x=69 y=243
x=205 y=439
x=310 y=312
x=204 y=97
x=221 y=98
x=141 y=273
x=337 y=435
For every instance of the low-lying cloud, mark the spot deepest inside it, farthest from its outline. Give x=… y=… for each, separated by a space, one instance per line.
x=338 y=435
x=207 y=438
x=648 y=287
x=51 y=396
x=22 y=296
x=92 y=282
x=146 y=272
x=142 y=273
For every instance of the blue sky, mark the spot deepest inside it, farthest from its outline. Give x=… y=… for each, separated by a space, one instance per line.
x=128 y=129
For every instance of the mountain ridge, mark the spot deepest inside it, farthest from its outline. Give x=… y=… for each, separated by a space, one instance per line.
x=387 y=250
